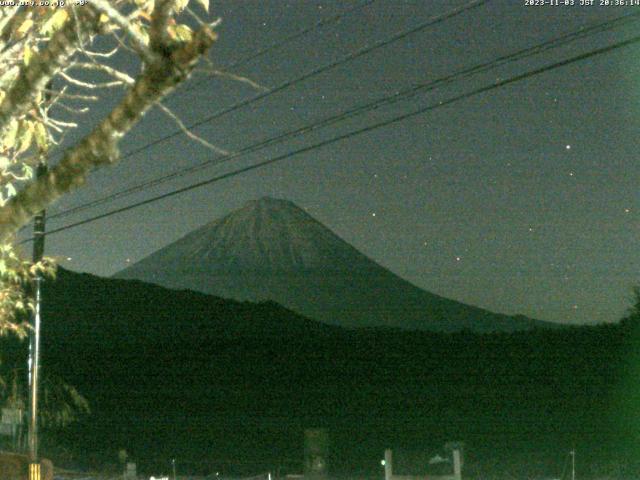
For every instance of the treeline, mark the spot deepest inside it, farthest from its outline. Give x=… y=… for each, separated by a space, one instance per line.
x=224 y=385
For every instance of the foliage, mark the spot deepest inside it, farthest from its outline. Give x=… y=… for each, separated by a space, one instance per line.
x=60 y=403
x=49 y=77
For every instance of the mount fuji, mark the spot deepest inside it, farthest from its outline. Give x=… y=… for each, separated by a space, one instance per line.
x=271 y=249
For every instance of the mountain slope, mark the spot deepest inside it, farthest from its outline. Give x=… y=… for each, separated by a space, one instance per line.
x=271 y=249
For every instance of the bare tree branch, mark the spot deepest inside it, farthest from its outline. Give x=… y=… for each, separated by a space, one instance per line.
x=42 y=68
x=117 y=74
x=72 y=96
x=232 y=76
x=100 y=147
x=108 y=54
x=88 y=85
x=138 y=41
x=14 y=15
x=189 y=133
x=8 y=14
x=72 y=109
x=60 y=123
x=158 y=34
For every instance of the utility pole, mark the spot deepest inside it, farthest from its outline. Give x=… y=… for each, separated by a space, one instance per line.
x=573 y=464
x=34 y=334
x=34 y=339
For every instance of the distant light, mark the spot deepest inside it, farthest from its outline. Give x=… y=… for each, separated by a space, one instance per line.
x=373 y=214
x=458 y=259
x=568 y=147
x=383 y=463
x=68 y=259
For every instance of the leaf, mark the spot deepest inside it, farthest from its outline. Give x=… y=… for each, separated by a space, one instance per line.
x=27 y=172
x=141 y=30
x=24 y=28
x=25 y=136
x=146 y=5
x=9 y=137
x=27 y=55
x=180 y=5
x=8 y=75
x=204 y=4
x=55 y=22
x=11 y=191
x=42 y=137
x=184 y=33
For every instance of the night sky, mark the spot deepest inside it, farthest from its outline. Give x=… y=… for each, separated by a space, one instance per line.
x=523 y=199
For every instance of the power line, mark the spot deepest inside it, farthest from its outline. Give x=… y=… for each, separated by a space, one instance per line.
x=317 y=71
x=349 y=57
x=284 y=41
x=354 y=133
x=398 y=96
x=319 y=24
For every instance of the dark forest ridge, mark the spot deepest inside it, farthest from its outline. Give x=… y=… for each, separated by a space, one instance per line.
x=273 y=250
x=180 y=373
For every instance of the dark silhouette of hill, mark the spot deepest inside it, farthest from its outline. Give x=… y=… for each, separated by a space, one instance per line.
x=272 y=250
x=228 y=385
